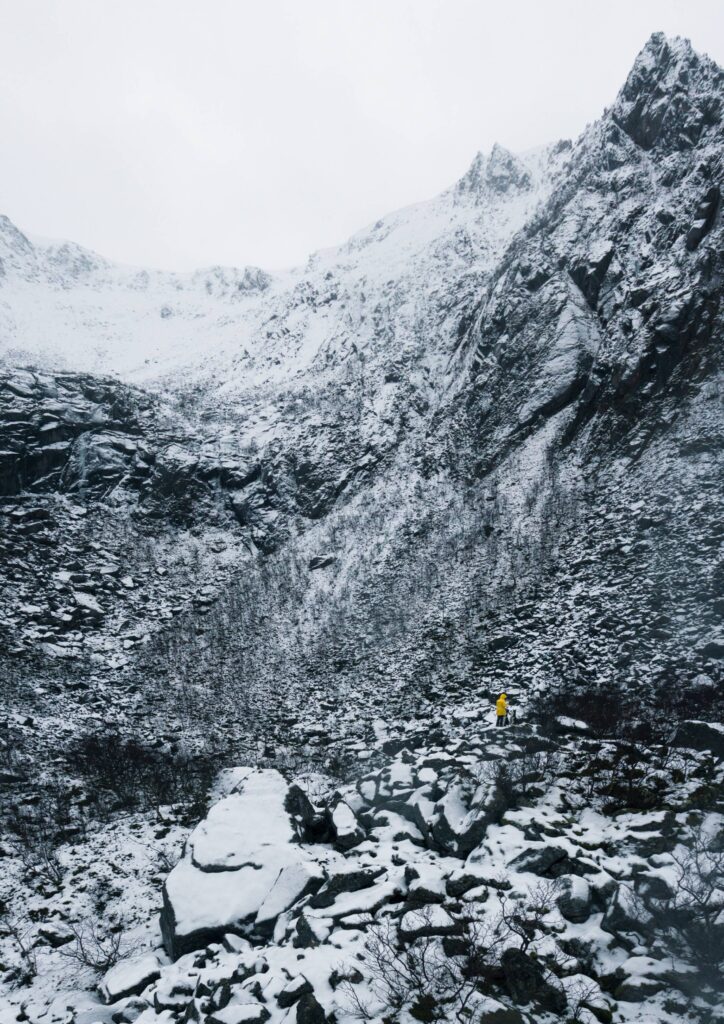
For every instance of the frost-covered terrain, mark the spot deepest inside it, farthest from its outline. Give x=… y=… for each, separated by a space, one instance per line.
x=271 y=545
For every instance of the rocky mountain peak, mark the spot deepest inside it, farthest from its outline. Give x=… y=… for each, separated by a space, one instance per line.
x=671 y=96
x=500 y=172
x=15 y=249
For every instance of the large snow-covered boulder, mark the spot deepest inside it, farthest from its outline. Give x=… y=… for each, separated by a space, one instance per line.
x=243 y=866
x=574 y=900
x=460 y=819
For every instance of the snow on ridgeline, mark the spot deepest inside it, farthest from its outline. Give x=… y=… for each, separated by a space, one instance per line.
x=65 y=307
x=69 y=308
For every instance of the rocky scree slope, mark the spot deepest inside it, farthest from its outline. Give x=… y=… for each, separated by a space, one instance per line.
x=126 y=510
x=549 y=508
x=573 y=408
x=512 y=876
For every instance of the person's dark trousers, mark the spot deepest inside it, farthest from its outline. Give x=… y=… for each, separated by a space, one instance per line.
x=501 y=721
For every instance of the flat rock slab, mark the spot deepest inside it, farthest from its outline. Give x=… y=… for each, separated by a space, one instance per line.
x=239 y=827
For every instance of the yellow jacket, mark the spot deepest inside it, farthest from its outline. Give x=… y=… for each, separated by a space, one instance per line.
x=501 y=705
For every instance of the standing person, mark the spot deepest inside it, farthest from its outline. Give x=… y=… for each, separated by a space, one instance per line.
x=501 y=709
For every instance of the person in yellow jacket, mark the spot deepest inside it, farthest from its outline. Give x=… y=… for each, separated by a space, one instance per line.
x=501 y=709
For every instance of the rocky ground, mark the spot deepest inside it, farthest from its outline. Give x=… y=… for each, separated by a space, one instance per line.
x=466 y=873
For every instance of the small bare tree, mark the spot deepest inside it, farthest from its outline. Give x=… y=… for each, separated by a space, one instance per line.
x=525 y=918
x=582 y=996
x=690 y=921
x=420 y=974
x=21 y=933
x=94 y=947
x=438 y=979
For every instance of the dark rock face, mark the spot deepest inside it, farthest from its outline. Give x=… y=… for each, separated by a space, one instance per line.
x=534 y=334
x=309 y=1010
x=699 y=736
x=621 y=915
x=667 y=103
x=501 y=172
x=549 y=862
x=704 y=218
x=301 y=810
x=349 y=881
x=93 y=473
x=504 y=1015
x=321 y=561
x=304 y=937
x=88 y=436
x=294 y=991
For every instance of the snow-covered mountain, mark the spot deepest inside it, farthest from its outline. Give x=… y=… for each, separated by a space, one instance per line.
x=294 y=519
x=66 y=307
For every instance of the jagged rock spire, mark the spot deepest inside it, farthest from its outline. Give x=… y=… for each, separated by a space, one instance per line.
x=499 y=172
x=671 y=96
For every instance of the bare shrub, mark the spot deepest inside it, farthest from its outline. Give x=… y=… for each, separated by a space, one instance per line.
x=418 y=975
x=20 y=931
x=525 y=917
x=689 y=922
x=514 y=779
x=137 y=775
x=42 y=859
x=436 y=978
x=37 y=829
x=94 y=947
x=583 y=997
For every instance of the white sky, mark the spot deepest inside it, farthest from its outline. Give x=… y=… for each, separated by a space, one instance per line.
x=180 y=133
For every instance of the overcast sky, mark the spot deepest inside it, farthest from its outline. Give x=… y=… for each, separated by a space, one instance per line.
x=181 y=133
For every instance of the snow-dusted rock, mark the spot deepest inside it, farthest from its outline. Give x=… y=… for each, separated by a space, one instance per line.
x=242 y=1008
x=574 y=900
x=427 y=921
x=292 y=883
x=547 y=861
x=129 y=977
x=243 y=823
x=345 y=877
x=346 y=827
x=242 y=866
x=461 y=819
x=293 y=991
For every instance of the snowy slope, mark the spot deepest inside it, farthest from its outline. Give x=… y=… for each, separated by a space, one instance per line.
x=66 y=307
